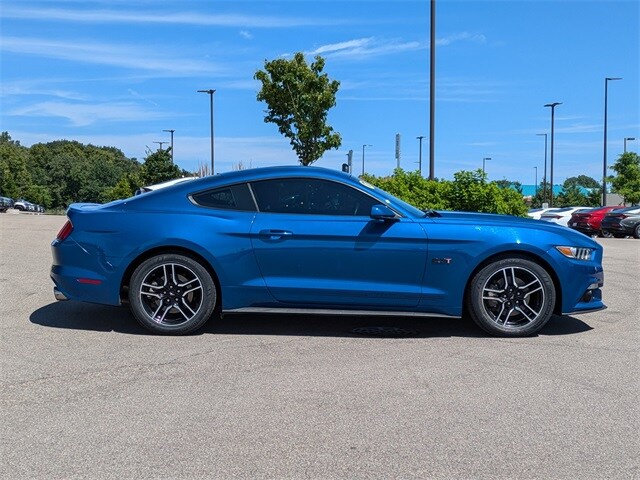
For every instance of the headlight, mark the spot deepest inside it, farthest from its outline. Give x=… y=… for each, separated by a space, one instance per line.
x=577 y=253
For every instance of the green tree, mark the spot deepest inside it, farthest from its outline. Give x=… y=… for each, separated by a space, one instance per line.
x=504 y=183
x=413 y=188
x=158 y=168
x=626 y=182
x=578 y=191
x=471 y=193
x=298 y=98
x=15 y=177
x=582 y=181
x=467 y=192
x=125 y=188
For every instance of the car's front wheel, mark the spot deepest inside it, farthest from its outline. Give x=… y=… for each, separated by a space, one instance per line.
x=636 y=232
x=511 y=297
x=172 y=294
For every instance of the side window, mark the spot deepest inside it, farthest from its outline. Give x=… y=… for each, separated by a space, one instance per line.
x=234 y=197
x=312 y=197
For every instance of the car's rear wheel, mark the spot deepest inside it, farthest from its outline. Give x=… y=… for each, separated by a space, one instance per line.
x=636 y=231
x=605 y=234
x=172 y=294
x=511 y=297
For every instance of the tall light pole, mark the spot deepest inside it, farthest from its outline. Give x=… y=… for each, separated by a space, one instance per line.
x=432 y=92
x=171 y=130
x=536 y=184
x=625 y=142
x=160 y=143
x=210 y=92
x=420 y=154
x=604 y=157
x=553 y=110
x=483 y=163
x=363 y=156
x=544 y=175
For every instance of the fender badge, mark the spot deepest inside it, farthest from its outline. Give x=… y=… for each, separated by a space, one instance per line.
x=446 y=261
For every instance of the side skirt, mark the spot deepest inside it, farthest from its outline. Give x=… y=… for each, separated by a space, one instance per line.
x=325 y=311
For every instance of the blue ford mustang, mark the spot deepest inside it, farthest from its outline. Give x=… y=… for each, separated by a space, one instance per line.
x=307 y=239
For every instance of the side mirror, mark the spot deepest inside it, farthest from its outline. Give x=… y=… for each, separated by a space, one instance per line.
x=382 y=212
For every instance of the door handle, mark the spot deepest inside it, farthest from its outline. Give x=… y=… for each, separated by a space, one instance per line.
x=275 y=234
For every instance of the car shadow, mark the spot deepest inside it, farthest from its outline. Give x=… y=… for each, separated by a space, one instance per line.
x=100 y=318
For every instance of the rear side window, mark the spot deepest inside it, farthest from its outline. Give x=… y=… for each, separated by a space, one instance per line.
x=233 y=197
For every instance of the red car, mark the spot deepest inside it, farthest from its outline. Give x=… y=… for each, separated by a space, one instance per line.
x=588 y=222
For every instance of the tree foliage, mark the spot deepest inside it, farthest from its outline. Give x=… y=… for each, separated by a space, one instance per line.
x=158 y=167
x=469 y=191
x=298 y=98
x=626 y=182
x=58 y=173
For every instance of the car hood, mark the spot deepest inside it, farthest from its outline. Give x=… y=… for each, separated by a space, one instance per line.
x=492 y=220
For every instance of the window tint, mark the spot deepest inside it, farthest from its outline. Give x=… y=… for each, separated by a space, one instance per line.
x=234 y=197
x=311 y=196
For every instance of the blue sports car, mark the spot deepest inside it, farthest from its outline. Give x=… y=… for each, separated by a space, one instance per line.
x=307 y=239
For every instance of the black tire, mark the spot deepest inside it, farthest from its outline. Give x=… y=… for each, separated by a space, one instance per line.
x=172 y=294
x=619 y=235
x=605 y=234
x=511 y=297
x=636 y=231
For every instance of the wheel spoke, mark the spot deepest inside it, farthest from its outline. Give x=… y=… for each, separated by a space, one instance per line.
x=492 y=290
x=534 y=291
x=151 y=294
x=188 y=307
x=186 y=317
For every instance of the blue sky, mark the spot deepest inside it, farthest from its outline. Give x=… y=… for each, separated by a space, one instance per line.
x=118 y=73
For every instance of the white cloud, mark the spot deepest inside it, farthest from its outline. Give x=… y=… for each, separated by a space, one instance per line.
x=123 y=56
x=246 y=35
x=457 y=37
x=185 y=18
x=81 y=115
x=365 y=47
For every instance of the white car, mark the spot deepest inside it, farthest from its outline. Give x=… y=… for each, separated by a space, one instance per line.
x=158 y=186
x=535 y=213
x=561 y=216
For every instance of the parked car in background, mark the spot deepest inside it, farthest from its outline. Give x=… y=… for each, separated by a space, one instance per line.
x=313 y=240
x=158 y=186
x=588 y=221
x=561 y=216
x=26 y=206
x=5 y=204
x=535 y=213
x=622 y=222
x=21 y=204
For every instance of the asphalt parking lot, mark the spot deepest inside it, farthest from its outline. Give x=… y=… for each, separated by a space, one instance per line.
x=87 y=393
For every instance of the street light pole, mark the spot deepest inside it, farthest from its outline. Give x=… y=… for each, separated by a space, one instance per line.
x=544 y=175
x=171 y=130
x=604 y=159
x=160 y=143
x=363 y=156
x=483 y=163
x=432 y=93
x=210 y=92
x=420 y=154
x=536 y=184
x=553 y=110
x=625 y=142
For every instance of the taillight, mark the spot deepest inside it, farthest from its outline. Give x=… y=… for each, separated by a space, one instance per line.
x=65 y=231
